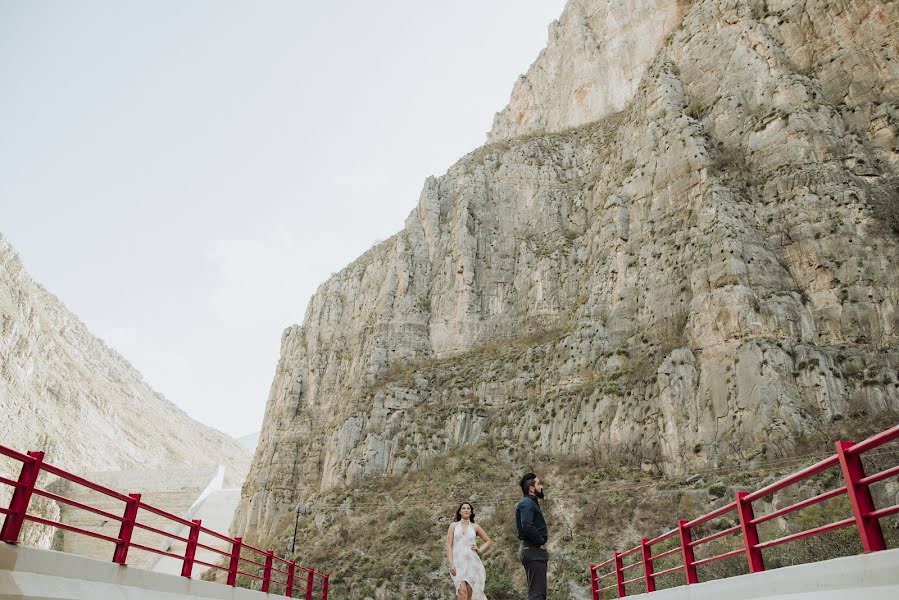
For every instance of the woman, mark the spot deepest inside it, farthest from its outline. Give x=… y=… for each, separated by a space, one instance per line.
x=462 y=552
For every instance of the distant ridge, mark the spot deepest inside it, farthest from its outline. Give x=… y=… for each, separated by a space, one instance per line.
x=64 y=391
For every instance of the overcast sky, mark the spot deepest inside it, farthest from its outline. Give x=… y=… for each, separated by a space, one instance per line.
x=183 y=174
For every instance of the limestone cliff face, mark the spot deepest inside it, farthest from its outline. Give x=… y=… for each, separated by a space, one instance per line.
x=690 y=263
x=595 y=58
x=63 y=391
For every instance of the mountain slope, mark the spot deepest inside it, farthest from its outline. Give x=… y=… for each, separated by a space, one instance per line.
x=693 y=274
x=63 y=391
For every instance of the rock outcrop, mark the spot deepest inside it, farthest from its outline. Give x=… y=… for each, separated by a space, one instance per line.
x=595 y=58
x=64 y=391
x=679 y=250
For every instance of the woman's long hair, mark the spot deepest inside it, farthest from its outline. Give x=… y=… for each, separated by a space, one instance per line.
x=459 y=512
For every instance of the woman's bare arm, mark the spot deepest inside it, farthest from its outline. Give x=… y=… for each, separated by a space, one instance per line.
x=449 y=549
x=483 y=535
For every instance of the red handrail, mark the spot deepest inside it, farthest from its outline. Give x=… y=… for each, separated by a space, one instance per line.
x=662 y=537
x=22 y=458
x=877 y=440
x=96 y=511
x=82 y=481
x=162 y=513
x=865 y=516
x=809 y=533
x=206 y=564
x=719 y=557
x=805 y=473
x=674 y=550
x=220 y=536
x=708 y=517
x=800 y=505
x=671 y=570
x=9 y=482
x=715 y=536
x=160 y=532
x=212 y=549
x=16 y=513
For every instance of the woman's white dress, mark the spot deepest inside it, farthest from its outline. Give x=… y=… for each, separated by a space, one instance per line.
x=468 y=564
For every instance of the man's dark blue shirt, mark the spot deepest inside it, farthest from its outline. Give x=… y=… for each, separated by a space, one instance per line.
x=530 y=523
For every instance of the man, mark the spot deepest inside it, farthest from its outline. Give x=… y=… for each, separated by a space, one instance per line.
x=533 y=535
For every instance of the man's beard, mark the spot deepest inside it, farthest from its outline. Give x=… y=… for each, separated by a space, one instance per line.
x=539 y=494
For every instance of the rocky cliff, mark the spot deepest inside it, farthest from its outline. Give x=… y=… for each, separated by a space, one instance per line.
x=678 y=250
x=64 y=391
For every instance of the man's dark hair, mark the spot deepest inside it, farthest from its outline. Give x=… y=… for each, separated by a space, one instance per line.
x=527 y=481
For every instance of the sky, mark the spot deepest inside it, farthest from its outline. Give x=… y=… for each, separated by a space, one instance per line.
x=183 y=174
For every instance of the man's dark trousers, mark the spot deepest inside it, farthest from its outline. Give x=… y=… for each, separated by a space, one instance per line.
x=535 y=562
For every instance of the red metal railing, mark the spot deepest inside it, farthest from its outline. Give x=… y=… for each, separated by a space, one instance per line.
x=275 y=571
x=866 y=517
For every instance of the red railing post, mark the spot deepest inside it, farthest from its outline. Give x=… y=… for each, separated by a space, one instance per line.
x=291 y=571
x=687 y=552
x=120 y=556
x=191 y=550
x=647 y=566
x=619 y=575
x=21 y=497
x=235 y=561
x=310 y=583
x=325 y=587
x=267 y=573
x=594 y=582
x=860 y=498
x=750 y=534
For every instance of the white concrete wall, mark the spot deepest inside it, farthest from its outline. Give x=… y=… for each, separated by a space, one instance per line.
x=868 y=576
x=50 y=575
x=216 y=512
x=173 y=490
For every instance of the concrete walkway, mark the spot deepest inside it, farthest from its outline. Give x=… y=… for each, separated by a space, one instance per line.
x=865 y=577
x=50 y=575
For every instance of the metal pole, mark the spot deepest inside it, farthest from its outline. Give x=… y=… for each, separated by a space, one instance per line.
x=296 y=520
x=18 y=505
x=267 y=573
x=860 y=498
x=291 y=572
x=120 y=555
x=619 y=575
x=647 y=566
x=750 y=534
x=235 y=561
x=687 y=551
x=310 y=583
x=190 y=550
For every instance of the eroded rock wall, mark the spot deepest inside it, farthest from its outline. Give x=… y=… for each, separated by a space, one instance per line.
x=693 y=276
x=595 y=58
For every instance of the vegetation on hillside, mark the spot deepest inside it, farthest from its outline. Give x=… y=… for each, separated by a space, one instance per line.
x=384 y=539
